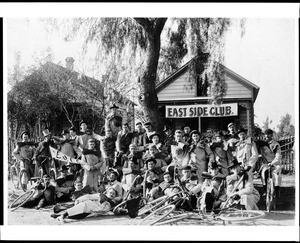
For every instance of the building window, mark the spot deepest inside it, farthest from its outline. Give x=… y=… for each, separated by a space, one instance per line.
x=202 y=86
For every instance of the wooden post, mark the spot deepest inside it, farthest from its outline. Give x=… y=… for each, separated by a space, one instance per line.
x=199 y=124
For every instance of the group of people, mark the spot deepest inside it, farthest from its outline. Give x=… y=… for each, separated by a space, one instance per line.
x=213 y=166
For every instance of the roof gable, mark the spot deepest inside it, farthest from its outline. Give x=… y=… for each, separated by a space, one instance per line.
x=173 y=85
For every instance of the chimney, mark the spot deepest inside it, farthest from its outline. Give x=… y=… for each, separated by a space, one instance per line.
x=70 y=63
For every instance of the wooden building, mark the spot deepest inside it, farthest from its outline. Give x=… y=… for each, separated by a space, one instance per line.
x=181 y=102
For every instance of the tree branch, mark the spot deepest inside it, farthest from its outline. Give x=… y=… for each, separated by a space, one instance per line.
x=145 y=23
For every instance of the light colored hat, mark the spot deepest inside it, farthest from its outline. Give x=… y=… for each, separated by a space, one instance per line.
x=46 y=132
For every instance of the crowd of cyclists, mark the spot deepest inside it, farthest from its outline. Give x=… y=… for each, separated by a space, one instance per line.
x=213 y=166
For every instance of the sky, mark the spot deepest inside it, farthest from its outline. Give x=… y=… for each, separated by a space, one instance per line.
x=265 y=56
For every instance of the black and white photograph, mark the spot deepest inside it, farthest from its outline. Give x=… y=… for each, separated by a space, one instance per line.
x=151 y=121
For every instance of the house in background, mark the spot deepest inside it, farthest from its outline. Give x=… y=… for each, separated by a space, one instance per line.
x=182 y=103
x=88 y=100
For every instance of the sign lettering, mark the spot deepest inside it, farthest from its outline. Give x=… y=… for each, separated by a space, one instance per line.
x=188 y=111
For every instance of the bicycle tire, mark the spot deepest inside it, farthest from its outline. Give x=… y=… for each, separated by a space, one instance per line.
x=175 y=219
x=158 y=215
x=122 y=204
x=21 y=200
x=242 y=215
x=20 y=179
x=14 y=176
x=152 y=205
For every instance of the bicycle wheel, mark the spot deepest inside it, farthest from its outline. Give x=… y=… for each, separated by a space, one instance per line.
x=151 y=206
x=242 y=215
x=175 y=218
x=21 y=200
x=158 y=215
x=14 y=176
x=23 y=185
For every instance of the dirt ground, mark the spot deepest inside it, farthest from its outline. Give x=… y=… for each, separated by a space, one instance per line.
x=25 y=216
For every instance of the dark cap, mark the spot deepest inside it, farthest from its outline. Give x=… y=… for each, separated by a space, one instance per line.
x=230 y=124
x=138 y=123
x=242 y=130
x=63 y=168
x=151 y=159
x=148 y=123
x=195 y=132
x=269 y=131
x=114 y=107
x=23 y=133
x=187 y=167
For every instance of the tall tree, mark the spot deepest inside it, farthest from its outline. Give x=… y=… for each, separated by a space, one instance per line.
x=285 y=126
x=133 y=47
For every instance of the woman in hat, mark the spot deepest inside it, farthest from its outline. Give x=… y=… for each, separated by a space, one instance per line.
x=244 y=194
x=24 y=152
x=198 y=152
x=91 y=163
x=245 y=151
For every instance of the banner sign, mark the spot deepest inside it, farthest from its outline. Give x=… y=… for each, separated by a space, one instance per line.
x=201 y=110
x=55 y=154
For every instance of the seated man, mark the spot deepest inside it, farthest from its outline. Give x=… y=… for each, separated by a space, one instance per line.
x=94 y=203
x=130 y=182
x=44 y=197
x=113 y=182
x=64 y=185
x=153 y=175
x=164 y=188
x=211 y=188
x=241 y=189
x=153 y=152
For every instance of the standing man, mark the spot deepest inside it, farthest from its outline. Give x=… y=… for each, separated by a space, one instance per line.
x=24 y=153
x=138 y=134
x=145 y=137
x=108 y=148
x=91 y=164
x=272 y=156
x=245 y=151
x=186 y=133
x=42 y=154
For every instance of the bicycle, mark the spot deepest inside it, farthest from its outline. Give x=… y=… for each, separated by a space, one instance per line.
x=27 y=195
x=24 y=173
x=52 y=168
x=14 y=173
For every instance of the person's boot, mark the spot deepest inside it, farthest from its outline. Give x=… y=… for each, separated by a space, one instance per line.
x=41 y=203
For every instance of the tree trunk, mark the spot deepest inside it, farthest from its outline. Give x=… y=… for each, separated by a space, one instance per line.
x=149 y=100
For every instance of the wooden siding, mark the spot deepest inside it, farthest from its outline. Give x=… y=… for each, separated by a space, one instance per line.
x=235 y=89
x=177 y=88
x=180 y=88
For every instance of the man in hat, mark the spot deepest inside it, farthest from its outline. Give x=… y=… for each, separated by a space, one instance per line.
x=42 y=154
x=138 y=134
x=168 y=140
x=124 y=139
x=213 y=187
x=73 y=133
x=113 y=121
x=240 y=188
x=198 y=152
x=190 y=181
x=135 y=156
x=24 y=152
x=91 y=163
x=153 y=174
x=145 y=137
x=108 y=148
x=245 y=151
x=90 y=203
x=179 y=151
x=186 y=133
x=45 y=196
x=64 y=185
x=272 y=158
x=222 y=152
x=209 y=136
x=164 y=188
x=153 y=152
x=232 y=131
x=112 y=176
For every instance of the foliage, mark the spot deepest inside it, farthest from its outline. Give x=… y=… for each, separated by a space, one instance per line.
x=266 y=124
x=285 y=127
